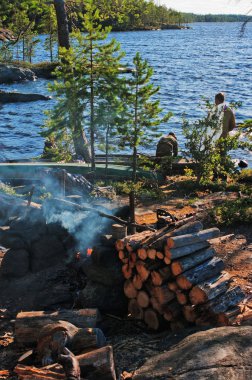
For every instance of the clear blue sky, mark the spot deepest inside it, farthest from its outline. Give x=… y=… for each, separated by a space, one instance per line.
x=209 y=6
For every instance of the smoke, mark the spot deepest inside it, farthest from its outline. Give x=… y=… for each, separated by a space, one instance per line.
x=83 y=226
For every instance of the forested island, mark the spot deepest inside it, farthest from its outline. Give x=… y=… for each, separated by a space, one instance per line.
x=39 y=17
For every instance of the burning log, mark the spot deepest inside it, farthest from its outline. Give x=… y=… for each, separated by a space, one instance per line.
x=188 y=262
x=209 y=289
x=200 y=273
x=188 y=239
x=29 y=324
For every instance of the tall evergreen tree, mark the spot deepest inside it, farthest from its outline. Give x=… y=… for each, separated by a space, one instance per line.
x=143 y=114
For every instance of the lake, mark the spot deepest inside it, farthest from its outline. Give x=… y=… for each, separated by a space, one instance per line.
x=188 y=64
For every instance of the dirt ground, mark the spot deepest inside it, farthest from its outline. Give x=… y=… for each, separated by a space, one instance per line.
x=132 y=344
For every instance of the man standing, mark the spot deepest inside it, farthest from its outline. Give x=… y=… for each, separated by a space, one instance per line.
x=227 y=116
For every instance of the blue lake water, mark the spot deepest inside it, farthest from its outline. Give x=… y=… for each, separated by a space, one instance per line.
x=188 y=64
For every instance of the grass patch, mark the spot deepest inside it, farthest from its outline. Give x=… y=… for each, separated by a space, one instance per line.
x=232 y=212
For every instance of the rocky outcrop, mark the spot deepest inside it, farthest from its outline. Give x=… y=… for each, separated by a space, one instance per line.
x=15 y=97
x=219 y=353
x=12 y=73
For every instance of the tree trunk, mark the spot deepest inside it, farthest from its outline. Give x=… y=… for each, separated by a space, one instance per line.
x=62 y=22
x=81 y=144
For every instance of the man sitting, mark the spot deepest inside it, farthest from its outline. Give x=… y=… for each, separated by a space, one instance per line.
x=167 y=146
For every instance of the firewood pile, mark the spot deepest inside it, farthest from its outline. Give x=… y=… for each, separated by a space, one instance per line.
x=172 y=278
x=63 y=345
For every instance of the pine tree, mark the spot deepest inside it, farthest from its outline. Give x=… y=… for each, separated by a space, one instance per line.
x=143 y=114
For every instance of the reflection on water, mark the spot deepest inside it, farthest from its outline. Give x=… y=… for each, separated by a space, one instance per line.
x=188 y=64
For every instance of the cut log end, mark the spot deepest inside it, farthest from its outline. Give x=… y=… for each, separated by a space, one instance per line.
x=152 y=319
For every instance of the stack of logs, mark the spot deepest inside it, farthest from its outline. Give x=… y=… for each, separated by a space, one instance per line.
x=173 y=277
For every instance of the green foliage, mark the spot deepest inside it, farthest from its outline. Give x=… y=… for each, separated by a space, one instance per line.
x=6 y=189
x=88 y=90
x=245 y=176
x=143 y=111
x=231 y=212
x=206 y=148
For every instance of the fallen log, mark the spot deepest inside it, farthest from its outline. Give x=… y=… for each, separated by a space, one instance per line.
x=135 y=311
x=176 y=253
x=209 y=289
x=188 y=239
x=188 y=262
x=200 y=273
x=29 y=324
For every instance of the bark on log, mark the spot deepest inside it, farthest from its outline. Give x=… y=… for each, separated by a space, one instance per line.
x=135 y=310
x=209 y=289
x=189 y=227
x=188 y=262
x=200 y=273
x=132 y=242
x=229 y=299
x=180 y=241
x=176 y=253
x=28 y=324
x=98 y=364
x=129 y=289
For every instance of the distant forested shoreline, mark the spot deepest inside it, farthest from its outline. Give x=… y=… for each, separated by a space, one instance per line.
x=121 y=15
